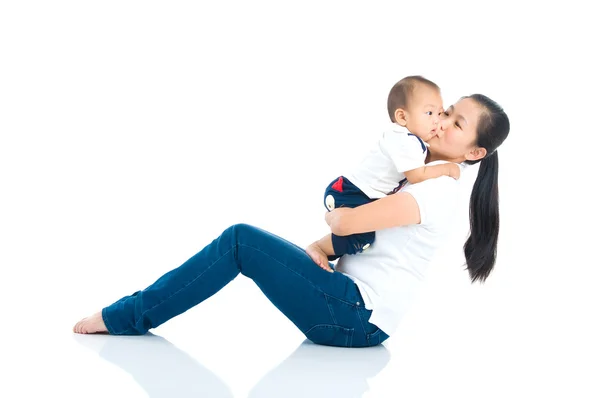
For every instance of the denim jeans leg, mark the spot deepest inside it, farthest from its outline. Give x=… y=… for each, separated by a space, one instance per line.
x=312 y=298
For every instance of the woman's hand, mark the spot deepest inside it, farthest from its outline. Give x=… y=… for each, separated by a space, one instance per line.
x=334 y=219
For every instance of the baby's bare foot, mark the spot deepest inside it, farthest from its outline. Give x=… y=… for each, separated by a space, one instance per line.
x=318 y=256
x=91 y=324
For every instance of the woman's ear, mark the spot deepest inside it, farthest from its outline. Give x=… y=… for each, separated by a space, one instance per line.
x=476 y=153
x=400 y=117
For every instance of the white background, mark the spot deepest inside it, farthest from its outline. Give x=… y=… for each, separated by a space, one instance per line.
x=134 y=132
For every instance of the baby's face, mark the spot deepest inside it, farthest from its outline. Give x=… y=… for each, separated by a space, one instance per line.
x=424 y=111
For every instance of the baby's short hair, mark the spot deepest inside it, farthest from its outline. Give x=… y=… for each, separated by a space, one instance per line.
x=400 y=93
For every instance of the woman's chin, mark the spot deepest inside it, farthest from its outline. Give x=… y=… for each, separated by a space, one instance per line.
x=434 y=142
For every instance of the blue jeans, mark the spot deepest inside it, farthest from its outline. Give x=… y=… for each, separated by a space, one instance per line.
x=326 y=307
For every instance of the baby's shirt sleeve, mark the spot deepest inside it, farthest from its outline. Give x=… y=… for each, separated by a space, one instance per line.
x=406 y=151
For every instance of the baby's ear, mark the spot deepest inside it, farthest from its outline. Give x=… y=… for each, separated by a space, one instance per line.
x=400 y=117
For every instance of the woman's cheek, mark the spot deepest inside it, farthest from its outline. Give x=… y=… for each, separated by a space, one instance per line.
x=450 y=138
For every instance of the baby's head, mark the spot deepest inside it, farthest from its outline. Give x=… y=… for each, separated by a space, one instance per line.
x=416 y=103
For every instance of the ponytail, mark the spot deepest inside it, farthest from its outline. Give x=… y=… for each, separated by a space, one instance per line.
x=484 y=215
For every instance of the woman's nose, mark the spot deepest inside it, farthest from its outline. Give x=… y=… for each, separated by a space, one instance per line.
x=443 y=124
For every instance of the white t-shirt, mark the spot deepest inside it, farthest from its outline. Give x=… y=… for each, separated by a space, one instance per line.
x=382 y=169
x=389 y=273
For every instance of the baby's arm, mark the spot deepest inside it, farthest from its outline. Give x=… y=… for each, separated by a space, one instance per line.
x=426 y=172
x=408 y=155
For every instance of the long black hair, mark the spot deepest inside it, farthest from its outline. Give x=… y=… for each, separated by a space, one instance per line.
x=484 y=214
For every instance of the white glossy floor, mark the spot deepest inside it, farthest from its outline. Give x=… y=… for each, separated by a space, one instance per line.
x=132 y=134
x=160 y=368
x=466 y=344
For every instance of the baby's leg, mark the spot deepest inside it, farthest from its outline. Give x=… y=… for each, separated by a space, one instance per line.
x=321 y=252
x=352 y=244
x=343 y=193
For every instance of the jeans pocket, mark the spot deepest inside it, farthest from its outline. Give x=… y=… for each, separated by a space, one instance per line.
x=332 y=335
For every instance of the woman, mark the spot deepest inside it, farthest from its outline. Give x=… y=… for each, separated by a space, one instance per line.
x=361 y=303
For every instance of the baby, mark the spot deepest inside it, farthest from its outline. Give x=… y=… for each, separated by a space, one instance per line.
x=414 y=107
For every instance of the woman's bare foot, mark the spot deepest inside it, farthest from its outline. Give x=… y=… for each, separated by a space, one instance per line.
x=91 y=324
x=318 y=256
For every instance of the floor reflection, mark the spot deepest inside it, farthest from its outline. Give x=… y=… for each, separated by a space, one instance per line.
x=318 y=371
x=159 y=367
x=314 y=371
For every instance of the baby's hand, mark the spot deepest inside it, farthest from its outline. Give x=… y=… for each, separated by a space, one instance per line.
x=454 y=171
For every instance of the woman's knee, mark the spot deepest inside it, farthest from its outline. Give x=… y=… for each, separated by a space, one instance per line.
x=240 y=231
x=244 y=234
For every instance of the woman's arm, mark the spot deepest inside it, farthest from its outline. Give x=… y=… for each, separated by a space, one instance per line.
x=391 y=211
